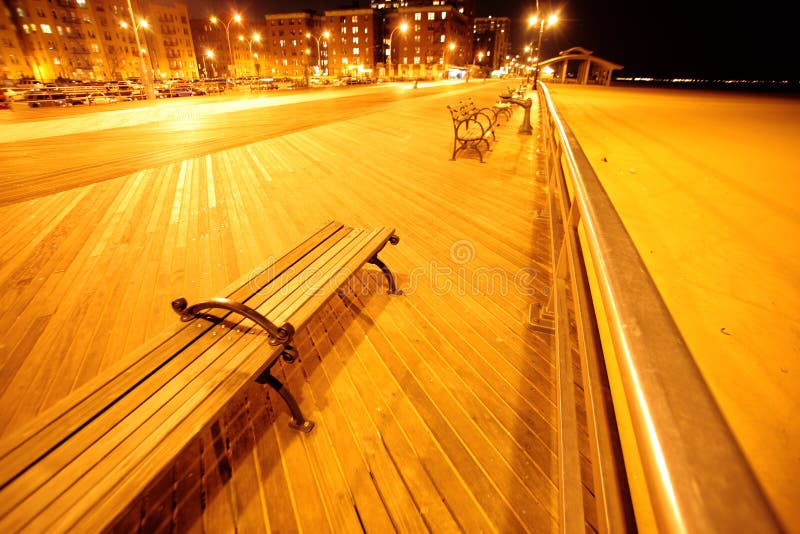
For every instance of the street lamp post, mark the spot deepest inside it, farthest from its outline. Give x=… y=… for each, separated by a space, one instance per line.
x=552 y=19
x=210 y=55
x=477 y=55
x=326 y=35
x=403 y=28
x=148 y=85
x=256 y=38
x=451 y=46
x=237 y=19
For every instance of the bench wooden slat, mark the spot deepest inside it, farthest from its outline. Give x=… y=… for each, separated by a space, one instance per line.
x=168 y=421
x=26 y=445
x=322 y=283
x=375 y=243
x=81 y=464
x=279 y=306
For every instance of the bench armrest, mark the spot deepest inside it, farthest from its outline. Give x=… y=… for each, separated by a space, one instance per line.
x=279 y=335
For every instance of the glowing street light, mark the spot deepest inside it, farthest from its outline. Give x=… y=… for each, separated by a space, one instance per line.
x=403 y=28
x=256 y=37
x=451 y=46
x=210 y=55
x=550 y=20
x=326 y=35
x=148 y=85
x=237 y=19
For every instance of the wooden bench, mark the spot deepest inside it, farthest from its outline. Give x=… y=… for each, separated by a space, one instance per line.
x=491 y=112
x=79 y=465
x=518 y=92
x=472 y=128
x=503 y=109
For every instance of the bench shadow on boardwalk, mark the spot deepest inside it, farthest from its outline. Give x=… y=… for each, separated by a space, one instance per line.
x=434 y=410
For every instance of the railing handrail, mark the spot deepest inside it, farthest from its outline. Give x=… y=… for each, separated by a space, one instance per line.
x=697 y=477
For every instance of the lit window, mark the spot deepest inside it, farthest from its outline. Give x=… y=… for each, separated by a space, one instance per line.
x=344 y=61
x=355 y=40
x=442 y=38
x=354 y=29
x=416 y=60
x=46 y=28
x=431 y=15
x=356 y=51
x=444 y=15
x=417 y=16
x=56 y=61
x=354 y=19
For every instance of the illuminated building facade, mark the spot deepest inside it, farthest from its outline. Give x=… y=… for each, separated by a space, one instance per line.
x=492 y=36
x=12 y=57
x=424 y=50
x=287 y=52
x=87 y=40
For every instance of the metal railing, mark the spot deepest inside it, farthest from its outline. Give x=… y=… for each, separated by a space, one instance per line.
x=685 y=470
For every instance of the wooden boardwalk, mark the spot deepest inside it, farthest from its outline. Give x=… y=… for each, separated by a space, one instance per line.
x=435 y=410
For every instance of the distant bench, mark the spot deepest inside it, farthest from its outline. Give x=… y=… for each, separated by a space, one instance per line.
x=472 y=127
x=79 y=466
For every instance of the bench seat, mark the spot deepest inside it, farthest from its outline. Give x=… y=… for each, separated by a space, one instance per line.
x=80 y=464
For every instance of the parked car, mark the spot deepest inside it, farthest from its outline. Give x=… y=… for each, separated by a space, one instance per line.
x=10 y=95
x=174 y=91
x=102 y=98
x=38 y=99
x=25 y=85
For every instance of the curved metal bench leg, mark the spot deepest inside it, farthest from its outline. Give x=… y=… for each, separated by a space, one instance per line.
x=388 y=274
x=374 y=260
x=298 y=422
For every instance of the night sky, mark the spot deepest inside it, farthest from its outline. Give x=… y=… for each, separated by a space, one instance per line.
x=707 y=39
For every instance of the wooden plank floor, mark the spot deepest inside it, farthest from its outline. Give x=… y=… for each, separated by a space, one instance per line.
x=435 y=410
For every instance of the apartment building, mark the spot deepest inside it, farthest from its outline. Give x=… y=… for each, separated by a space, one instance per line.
x=465 y=7
x=287 y=50
x=12 y=58
x=438 y=37
x=354 y=46
x=168 y=40
x=96 y=39
x=492 y=38
x=244 y=57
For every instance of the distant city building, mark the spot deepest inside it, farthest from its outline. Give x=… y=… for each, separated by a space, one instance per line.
x=465 y=7
x=246 y=56
x=342 y=42
x=492 y=37
x=94 y=39
x=287 y=52
x=168 y=39
x=354 y=47
x=12 y=57
x=424 y=50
